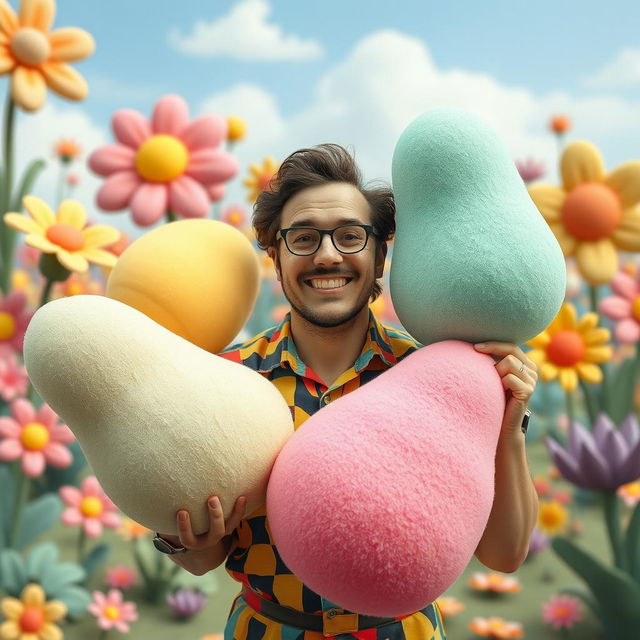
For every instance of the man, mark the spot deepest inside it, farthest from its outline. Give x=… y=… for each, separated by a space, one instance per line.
x=327 y=236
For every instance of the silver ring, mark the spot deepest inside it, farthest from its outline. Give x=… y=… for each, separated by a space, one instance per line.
x=521 y=368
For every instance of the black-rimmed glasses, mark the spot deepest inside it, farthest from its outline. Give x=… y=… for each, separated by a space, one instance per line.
x=348 y=238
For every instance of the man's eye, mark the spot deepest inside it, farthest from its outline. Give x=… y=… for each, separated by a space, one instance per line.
x=305 y=238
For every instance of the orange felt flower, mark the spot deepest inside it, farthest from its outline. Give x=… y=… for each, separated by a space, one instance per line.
x=37 y=58
x=559 y=124
x=259 y=177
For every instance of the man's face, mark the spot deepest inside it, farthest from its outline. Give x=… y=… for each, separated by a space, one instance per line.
x=325 y=207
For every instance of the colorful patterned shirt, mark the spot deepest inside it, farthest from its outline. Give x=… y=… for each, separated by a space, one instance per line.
x=254 y=560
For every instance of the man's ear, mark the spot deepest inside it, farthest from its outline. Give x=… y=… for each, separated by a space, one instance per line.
x=273 y=254
x=381 y=255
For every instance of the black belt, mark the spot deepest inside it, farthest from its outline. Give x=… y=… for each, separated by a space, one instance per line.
x=330 y=622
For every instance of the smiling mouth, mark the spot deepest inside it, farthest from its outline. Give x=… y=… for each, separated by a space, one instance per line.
x=327 y=284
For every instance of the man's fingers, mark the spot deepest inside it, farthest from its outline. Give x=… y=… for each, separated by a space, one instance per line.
x=237 y=515
x=504 y=349
x=185 y=533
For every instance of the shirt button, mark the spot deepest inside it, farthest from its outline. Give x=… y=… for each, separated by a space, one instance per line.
x=326 y=399
x=332 y=613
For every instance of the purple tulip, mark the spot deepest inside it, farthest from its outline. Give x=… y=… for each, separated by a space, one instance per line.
x=601 y=460
x=539 y=542
x=186 y=602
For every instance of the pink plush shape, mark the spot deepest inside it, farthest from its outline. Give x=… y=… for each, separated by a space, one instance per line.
x=379 y=501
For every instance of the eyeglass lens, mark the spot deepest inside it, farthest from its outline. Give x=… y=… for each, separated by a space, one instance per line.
x=346 y=239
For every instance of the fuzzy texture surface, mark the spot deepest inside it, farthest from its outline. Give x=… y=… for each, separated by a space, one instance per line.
x=197 y=278
x=163 y=423
x=378 y=501
x=473 y=257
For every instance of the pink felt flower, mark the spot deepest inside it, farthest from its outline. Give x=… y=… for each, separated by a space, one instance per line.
x=89 y=506
x=235 y=215
x=112 y=611
x=166 y=165
x=624 y=307
x=120 y=577
x=561 y=611
x=14 y=380
x=36 y=437
x=13 y=321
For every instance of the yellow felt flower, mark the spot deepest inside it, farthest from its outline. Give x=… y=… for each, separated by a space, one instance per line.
x=570 y=348
x=552 y=517
x=64 y=234
x=594 y=213
x=236 y=128
x=260 y=177
x=36 y=58
x=31 y=617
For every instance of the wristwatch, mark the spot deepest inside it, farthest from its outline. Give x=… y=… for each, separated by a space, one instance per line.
x=525 y=421
x=166 y=547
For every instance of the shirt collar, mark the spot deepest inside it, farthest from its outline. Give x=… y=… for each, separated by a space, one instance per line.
x=377 y=343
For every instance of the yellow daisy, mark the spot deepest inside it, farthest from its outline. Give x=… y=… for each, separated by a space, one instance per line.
x=236 y=128
x=36 y=58
x=31 y=617
x=64 y=234
x=552 y=517
x=260 y=177
x=594 y=213
x=570 y=348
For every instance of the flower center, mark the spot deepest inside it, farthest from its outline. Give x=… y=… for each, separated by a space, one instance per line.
x=161 y=158
x=565 y=349
x=7 y=325
x=264 y=180
x=112 y=612
x=30 y=46
x=591 y=211
x=34 y=436
x=65 y=236
x=31 y=620
x=91 y=506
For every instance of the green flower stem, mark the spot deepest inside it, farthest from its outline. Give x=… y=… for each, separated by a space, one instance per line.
x=611 y=506
x=593 y=296
x=103 y=634
x=590 y=402
x=634 y=379
x=60 y=185
x=82 y=544
x=8 y=235
x=570 y=413
x=171 y=217
x=21 y=497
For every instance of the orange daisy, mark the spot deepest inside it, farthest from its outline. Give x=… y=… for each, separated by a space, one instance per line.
x=259 y=177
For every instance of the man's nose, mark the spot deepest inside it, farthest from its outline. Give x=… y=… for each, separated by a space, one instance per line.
x=327 y=253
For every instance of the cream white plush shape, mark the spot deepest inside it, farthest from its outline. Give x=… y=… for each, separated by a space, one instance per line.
x=162 y=422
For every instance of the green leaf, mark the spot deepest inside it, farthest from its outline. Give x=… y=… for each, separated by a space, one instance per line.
x=616 y=593
x=40 y=557
x=632 y=544
x=96 y=557
x=57 y=577
x=13 y=575
x=26 y=184
x=7 y=499
x=620 y=394
x=37 y=517
x=76 y=598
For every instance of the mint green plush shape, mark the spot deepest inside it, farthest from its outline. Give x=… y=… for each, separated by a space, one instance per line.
x=473 y=258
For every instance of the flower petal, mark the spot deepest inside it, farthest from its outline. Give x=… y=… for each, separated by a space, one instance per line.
x=565 y=320
x=39 y=210
x=91 y=487
x=626 y=235
x=540 y=341
x=72 y=261
x=70 y=44
x=55 y=610
x=11 y=607
x=568 y=379
x=100 y=257
x=581 y=162
x=7 y=62
x=210 y=166
x=566 y=241
x=10 y=629
x=41 y=243
x=117 y=190
x=70 y=495
x=615 y=307
x=624 y=285
x=588 y=322
x=188 y=198
x=625 y=181
x=73 y=213
x=111 y=519
x=206 y=131
x=596 y=336
x=23 y=411
x=38 y=14
x=564 y=462
x=627 y=331
x=9 y=428
x=548 y=371
x=598 y=354
x=71 y=517
x=149 y=203
x=170 y=115
x=99 y=235
x=591 y=373
x=92 y=527
x=65 y=80
x=112 y=158
x=10 y=450
x=28 y=88
x=57 y=455
x=597 y=261
x=548 y=199
x=8 y=19
x=130 y=127
x=33 y=463
x=22 y=223
x=50 y=631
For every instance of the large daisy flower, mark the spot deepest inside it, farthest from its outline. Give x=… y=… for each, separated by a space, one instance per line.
x=594 y=213
x=569 y=348
x=65 y=234
x=36 y=58
x=166 y=165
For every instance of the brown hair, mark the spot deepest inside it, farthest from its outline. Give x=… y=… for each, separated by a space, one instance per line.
x=315 y=166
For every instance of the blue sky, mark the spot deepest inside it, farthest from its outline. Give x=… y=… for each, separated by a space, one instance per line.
x=357 y=72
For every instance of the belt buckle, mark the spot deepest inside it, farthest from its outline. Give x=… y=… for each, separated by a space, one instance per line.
x=334 y=622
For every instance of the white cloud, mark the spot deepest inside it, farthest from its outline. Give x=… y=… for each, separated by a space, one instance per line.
x=388 y=79
x=245 y=34
x=622 y=71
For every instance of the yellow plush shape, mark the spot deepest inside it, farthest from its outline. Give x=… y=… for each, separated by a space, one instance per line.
x=197 y=278
x=162 y=423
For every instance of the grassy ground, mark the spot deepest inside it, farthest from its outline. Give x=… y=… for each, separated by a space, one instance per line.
x=541 y=577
